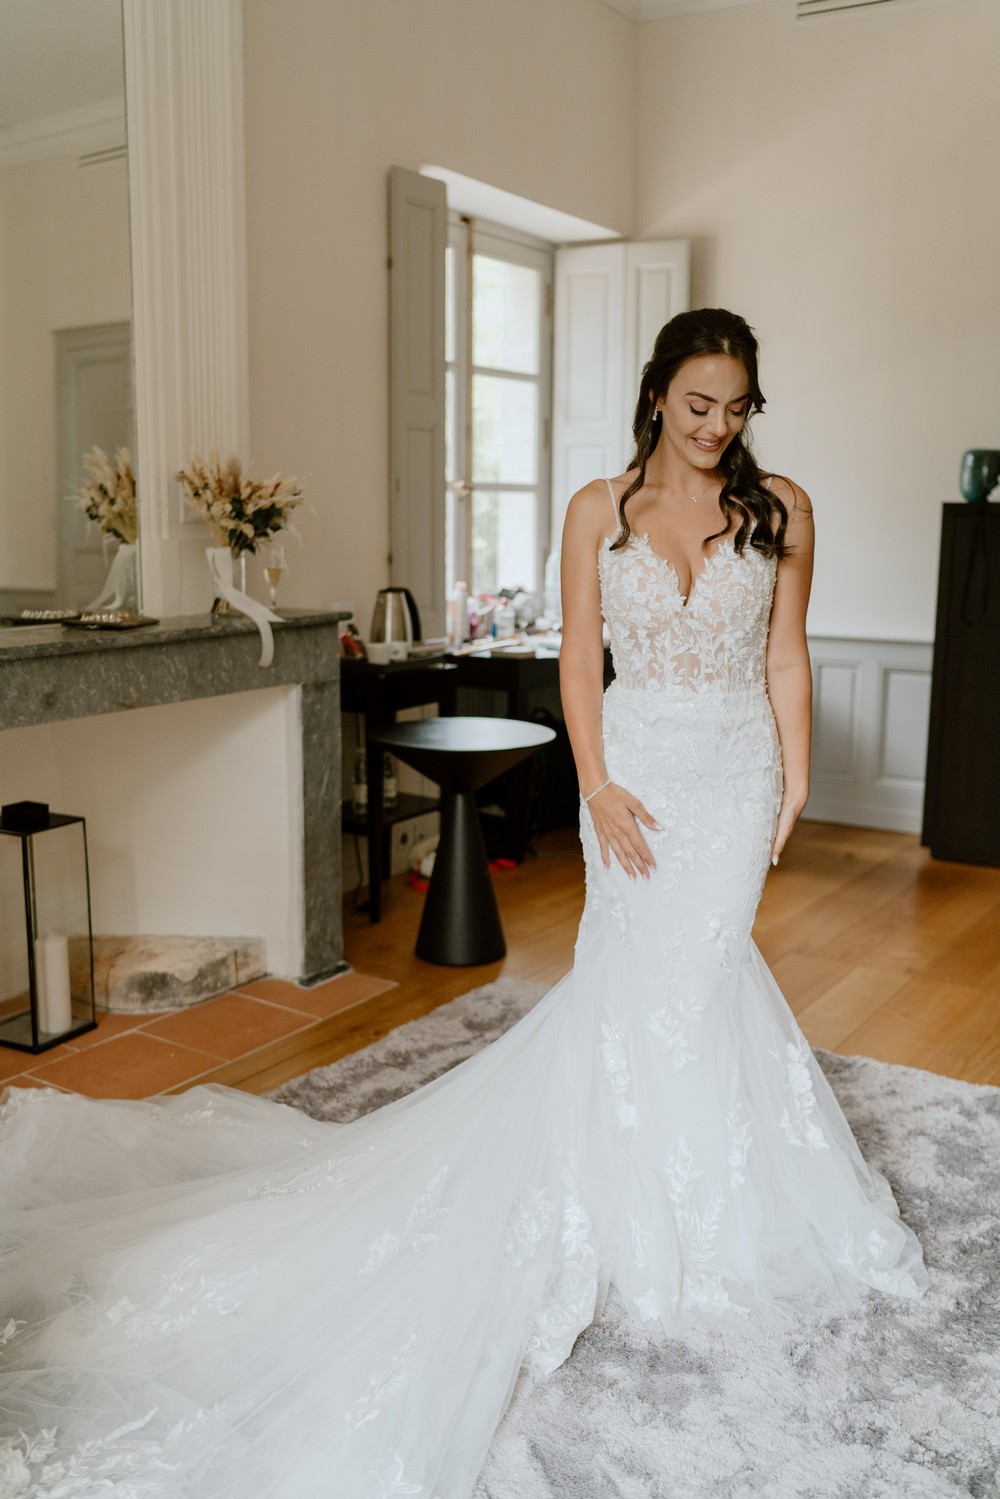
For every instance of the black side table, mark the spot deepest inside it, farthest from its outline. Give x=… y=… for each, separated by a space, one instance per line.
x=461 y=924
x=377 y=692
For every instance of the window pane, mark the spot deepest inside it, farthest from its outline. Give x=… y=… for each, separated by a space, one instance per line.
x=449 y=425
x=449 y=303
x=504 y=430
x=504 y=528
x=449 y=541
x=505 y=302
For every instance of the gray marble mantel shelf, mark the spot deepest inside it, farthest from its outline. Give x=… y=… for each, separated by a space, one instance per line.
x=49 y=673
x=41 y=680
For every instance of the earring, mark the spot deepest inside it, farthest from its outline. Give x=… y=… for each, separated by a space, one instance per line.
x=656 y=415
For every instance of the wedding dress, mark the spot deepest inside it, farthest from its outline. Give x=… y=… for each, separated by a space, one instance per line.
x=213 y=1296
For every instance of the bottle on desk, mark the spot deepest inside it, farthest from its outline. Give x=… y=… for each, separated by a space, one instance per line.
x=505 y=621
x=359 y=795
x=458 y=615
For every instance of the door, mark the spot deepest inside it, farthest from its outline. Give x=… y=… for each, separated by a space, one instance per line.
x=94 y=406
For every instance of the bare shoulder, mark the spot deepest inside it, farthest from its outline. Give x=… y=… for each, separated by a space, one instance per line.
x=588 y=514
x=791 y=495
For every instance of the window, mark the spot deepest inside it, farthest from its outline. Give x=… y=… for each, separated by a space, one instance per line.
x=498 y=397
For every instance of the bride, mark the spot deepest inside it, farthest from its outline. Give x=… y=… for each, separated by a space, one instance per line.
x=213 y=1296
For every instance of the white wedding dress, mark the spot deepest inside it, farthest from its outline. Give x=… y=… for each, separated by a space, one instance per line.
x=215 y=1297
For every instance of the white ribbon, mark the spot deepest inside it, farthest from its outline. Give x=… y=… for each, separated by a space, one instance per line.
x=119 y=585
x=220 y=565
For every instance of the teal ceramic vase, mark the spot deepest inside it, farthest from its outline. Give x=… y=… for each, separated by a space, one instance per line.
x=980 y=473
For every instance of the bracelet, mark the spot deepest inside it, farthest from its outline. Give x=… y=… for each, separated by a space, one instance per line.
x=600 y=788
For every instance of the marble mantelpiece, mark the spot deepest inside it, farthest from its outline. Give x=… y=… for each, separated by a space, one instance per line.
x=50 y=673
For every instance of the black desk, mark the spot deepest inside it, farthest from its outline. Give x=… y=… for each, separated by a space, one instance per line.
x=378 y=692
x=536 y=794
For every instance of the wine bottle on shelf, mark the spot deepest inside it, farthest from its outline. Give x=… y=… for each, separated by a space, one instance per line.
x=390 y=781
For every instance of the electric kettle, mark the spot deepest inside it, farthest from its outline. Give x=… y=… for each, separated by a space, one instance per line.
x=396 y=616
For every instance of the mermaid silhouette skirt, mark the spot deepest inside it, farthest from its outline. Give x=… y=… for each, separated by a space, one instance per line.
x=212 y=1296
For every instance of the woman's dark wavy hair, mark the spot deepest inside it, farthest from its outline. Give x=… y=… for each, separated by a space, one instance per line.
x=744 y=499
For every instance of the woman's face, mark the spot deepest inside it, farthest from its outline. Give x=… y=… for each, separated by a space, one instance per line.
x=705 y=407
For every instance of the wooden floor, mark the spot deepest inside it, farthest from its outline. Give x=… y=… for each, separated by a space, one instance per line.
x=880 y=951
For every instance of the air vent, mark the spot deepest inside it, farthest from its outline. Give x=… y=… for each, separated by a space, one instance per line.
x=98 y=158
x=805 y=10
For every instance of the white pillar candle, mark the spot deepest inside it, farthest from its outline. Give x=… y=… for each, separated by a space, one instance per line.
x=42 y=999
x=57 y=989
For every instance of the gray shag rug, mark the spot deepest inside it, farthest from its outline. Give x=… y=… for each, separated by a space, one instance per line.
x=890 y=1400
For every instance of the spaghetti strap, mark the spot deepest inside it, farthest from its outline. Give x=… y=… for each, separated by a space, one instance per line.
x=614 y=502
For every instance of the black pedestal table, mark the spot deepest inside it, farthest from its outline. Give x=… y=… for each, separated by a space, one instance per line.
x=461 y=923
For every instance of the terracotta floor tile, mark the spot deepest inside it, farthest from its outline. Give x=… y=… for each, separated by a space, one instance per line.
x=272 y=989
x=133 y=1065
x=12 y=1060
x=228 y=1026
x=25 y=1080
x=326 y=999
x=108 y=1026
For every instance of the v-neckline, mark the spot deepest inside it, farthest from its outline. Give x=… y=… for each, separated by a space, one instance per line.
x=685 y=598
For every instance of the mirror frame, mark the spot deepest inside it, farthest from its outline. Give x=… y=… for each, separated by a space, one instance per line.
x=187 y=206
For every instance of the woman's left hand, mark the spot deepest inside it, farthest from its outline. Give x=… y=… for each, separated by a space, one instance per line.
x=788 y=816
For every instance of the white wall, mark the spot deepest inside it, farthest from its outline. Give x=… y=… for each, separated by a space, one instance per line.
x=64 y=263
x=534 y=96
x=186 y=809
x=840 y=183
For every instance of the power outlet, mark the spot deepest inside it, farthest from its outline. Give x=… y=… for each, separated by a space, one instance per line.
x=406 y=835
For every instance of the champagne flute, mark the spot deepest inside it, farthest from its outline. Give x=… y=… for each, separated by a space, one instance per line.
x=272 y=555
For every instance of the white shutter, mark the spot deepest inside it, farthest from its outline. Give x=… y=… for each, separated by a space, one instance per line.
x=611 y=301
x=657 y=285
x=587 y=370
x=418 y=213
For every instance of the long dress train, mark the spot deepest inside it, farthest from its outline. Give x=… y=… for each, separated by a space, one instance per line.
x=212 y=1296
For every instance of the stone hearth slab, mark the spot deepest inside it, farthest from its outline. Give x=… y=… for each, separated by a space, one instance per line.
x=135 y=975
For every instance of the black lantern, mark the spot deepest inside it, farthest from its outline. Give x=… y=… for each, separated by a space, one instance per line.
x=46 y=946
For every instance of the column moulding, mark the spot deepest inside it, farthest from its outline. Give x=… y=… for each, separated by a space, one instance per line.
x=184 y=113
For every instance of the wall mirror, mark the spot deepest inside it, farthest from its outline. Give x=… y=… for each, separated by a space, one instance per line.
x=66 y=360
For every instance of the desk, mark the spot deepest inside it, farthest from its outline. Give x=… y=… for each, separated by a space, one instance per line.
x=534 y=795
x=378 y=692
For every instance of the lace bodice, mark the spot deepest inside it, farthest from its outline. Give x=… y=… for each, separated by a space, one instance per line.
x=715 y=641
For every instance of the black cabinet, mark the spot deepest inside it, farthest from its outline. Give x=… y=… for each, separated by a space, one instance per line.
x=378 y=692
x=962 y=796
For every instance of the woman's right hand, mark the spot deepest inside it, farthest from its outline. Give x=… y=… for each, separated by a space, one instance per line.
x=615 y=814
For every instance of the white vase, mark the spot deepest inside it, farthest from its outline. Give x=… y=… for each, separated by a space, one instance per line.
x=121 y=589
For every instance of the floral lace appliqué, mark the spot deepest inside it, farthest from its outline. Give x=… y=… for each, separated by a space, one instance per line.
x=186 y=1293
x=530 y=1220
x=717 y=642
x=417 y=1230
x=383 y=1386
x=614 y=1059
x=121 y=1464
x=796 y=1119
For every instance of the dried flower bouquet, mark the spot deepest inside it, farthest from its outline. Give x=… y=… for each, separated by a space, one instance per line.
x=240 y=511
x=107 y=496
